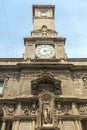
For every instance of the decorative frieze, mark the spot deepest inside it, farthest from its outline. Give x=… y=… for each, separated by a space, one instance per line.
x=66 y=108
x=9 y=109
x=82 y=108
x=30 y=108
x=84 y=79
x=63 y=108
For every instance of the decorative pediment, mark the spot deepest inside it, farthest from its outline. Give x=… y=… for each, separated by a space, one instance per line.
x=46 y=84
x=46 y=77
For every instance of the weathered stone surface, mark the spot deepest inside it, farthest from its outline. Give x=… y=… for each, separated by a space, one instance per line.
x=43 y=93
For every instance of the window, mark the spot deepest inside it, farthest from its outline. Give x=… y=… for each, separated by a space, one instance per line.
x=1 y=86
x=43 y=14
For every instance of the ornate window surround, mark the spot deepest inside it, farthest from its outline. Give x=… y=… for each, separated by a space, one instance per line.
x=46 y=84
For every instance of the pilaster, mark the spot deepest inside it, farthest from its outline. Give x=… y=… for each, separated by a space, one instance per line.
x=3 y=125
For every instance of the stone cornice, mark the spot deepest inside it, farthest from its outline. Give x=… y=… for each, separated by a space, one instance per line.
x=68 y=117
x=11 y=59
x=52 y=66
x=72 y=117
x=19 y=117
x=42 y=65
x=36 y=98
x=34 y=39
x=76 y=59
x=21 y=59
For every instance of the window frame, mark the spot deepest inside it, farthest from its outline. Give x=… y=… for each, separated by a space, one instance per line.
x=2 y=80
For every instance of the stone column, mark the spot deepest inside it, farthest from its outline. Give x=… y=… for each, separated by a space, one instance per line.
x=3 y=125
x=30 y=125
x=33 y=125
x=13 y=126
x=61 y=124
x=17 y=125
x=80 y=125
x=77 y=125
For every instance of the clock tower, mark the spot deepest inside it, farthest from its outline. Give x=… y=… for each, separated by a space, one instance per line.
x=44 y=43
x=44 y=90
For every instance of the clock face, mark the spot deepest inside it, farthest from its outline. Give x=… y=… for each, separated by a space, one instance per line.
x=45 y=51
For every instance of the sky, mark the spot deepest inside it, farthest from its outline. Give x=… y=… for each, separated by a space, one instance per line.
x=16 y=23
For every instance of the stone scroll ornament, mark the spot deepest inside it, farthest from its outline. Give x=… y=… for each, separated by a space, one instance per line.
x=26 y=110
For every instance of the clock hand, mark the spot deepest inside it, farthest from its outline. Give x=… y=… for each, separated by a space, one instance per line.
x=46 y=52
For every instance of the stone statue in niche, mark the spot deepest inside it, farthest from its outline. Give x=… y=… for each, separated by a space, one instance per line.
x=46 y=113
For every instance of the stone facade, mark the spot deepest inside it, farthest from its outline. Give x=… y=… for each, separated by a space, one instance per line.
x=43 y=93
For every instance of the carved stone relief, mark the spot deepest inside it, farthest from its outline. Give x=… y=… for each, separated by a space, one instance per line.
x=63 y=108
x=9 y=110
x=82 y=109
x=30 y=108
x=76 y=75
x=84 y=79
x=66 y=108
x=46 y=84
x=59 y=108
x=79 y=75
